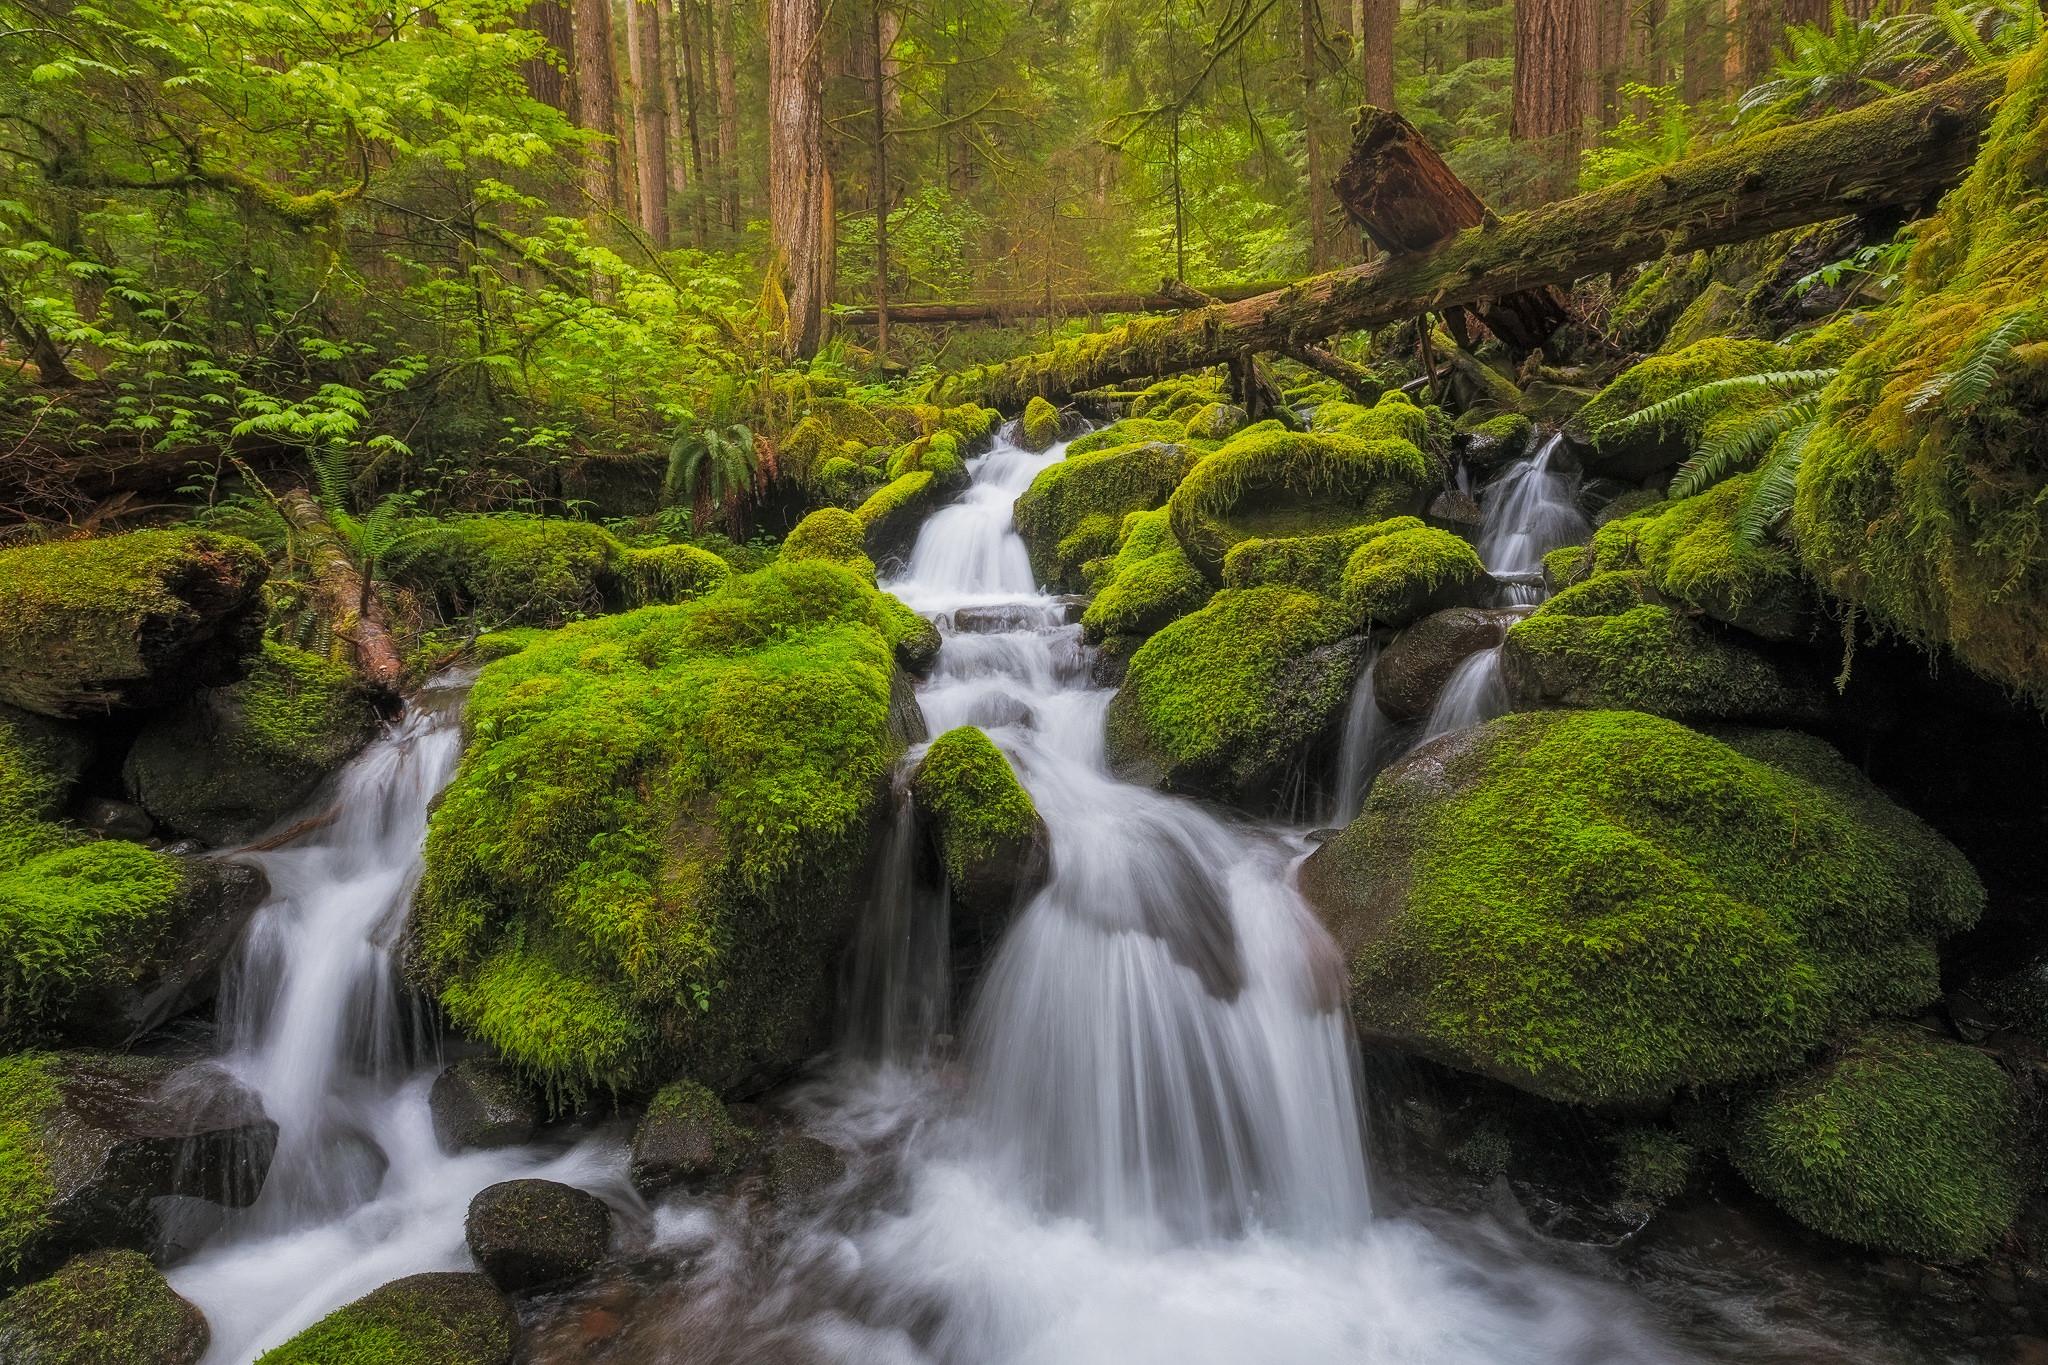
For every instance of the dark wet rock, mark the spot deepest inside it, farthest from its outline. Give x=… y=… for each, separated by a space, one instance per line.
x=482 y=1102
x=111 y=819
x=106 y=1308
x=98 y=1137
x=801 y=1169
x=1413 y=669
x=999 y=620
x=1454 y=510
x=528 y=1234
x=444 y=1318
x=689 y=1138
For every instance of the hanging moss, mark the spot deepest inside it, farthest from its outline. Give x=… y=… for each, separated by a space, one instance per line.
x=1227 y=700
x=1902 y=1142
x=131 y=620
x=654 y=844
x=1605 y=907
x=1694 y=555
x=1074 y=510
x=1148 y=584
x=1922 y=495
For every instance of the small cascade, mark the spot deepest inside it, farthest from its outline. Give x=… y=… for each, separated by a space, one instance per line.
x=1474 y=694
x=1363 y=748
x=1530 y=510
x=898 y=984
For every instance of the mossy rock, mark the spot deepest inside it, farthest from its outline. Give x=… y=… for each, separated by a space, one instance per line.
x=1313 y=563
x=481 y=1102
x=1148 y=584
x=1900 y=1142
x=894 y=512
x=687 y=1137
x=228 y=763
x=1229 y=700
x=440 y=1318
x=1215 y=422
x=1411 y=671
x=1187 y=394
x=1694 y=555
x=126 y=621
x=1274 y=484
x=1607 y=908
x=89 y=1139
x=1922 y=494
x=534 y=1234
x=989 y=837
x=106 y=1308
x=1715 y=312
x=658 y=837
x=1129 y=431
x=831 y=428
x=1645 y=451
x=99 y=939
x=1400 y=577
x=1489 y=443
x=1613 y=642
x=653 y=574
x=1074 y=511
x=1039 y=428
x=830 y=533
x=517 y=570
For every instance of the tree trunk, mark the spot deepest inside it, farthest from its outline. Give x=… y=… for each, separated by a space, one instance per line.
x=690 y=30
x=880 y=190
x=1899 y=153
x=799 y=185
x=650 y=115
x=728 y=120
x=1552 y=55
x=1705 y=40
x=1407 y=199
x=1760 y=29
x=344 y=596
x=548 y=76
x=1376 y=20
x=1318 y=193
x=1610 y=43
x=597 y=91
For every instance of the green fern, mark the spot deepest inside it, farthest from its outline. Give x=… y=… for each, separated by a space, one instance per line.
x=1715 y=392
x=1777 y=479
x=1963 y=385
x=1736 y=447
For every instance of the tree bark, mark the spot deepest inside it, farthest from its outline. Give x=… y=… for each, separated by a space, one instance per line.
x=1015 y=308
x=1897 y=153
x=597 y=92
x=880 y=189
x=1407 y=199
x=690 y=30
x=728 y=120
x=1318 y=192
x=1610 y=43
x=343 y=596
x=799 y=184
x=549 y=81
x=1705 y=40
x=1553 y=53
x=1376 y=20
x=650 y=115
x=1760 y=28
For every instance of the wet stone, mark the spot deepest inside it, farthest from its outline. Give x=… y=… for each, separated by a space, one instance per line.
x=529 y=1234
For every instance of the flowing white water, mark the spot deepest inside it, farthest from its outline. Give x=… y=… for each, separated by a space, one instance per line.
x=1364 y=748
x=1473 y=694
x=1531 y=509
x=312 y=1019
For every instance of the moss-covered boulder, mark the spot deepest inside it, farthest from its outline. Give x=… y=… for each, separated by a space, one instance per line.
x=891 y=515
x=228 y=763
x=1228 y=701
x=89 y=1139
x=687 y=1137
x=830 y=533
x=1607 y=908
x=1215 y=422
x=983 y=824
x=651 y=853
x=1489 y=443
x=441 y=1318
x=1694 y=555
x=1923 y=495
x=1074 y=511
x=1130 y=431
x=1148 y=584
x=512 y=569
x=1641 y=451
x=1269 y=484
x=1613 y=642
x=1039 y=427
x=135 y=620
x=1396 y=578
x=101 y=939
x=1900 y=1141
x=530 y=1234
x=107 y=1308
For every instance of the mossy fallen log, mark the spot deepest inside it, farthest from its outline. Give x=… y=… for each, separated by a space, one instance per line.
x=1893 y=154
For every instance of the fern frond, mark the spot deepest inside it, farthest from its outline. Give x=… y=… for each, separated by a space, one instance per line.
x=1742 y=444
x=1714 y=390
x=1963 y=385
x=1770 y=499
x=331 y=477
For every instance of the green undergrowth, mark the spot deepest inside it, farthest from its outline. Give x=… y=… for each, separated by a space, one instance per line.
x=653 y=842
x=1606 y=907
x=1640 y=451
x=1903 y=1142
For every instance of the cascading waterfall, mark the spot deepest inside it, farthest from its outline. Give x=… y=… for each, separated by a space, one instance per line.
x=1473 y=694
x=1363 y=748
x=1531 y=509
x=312 y=1019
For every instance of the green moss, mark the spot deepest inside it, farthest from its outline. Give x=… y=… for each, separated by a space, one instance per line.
x=669 y=573
x=981 y=819
x=232 y=761
x=1311 y=563
x=1182 y=393
x=833 y=534
x=514 y=569
x=1215 y=422
x=1394 y=417
x=690 y=1107
x=108 y=1308
x=1694 y=555
x=88 y=625
x=1039 y=429
x=1903 y=1142
x=1504 y=436
x=1130 y=431
x=1148 y=584
x=1606 y=907
x=1639 y=452
x=28 y=1097
x=1652 y=1166
x=1922 y=495
x=433 y=1319
x=1277 y=483
x=1658 y=295
x=1395 y=578
x=1566 y=566
x=1228 y=699
x=496 y=644
x=657 y=832
x=831 y=428
x=1054 y=514
x=1612 y=642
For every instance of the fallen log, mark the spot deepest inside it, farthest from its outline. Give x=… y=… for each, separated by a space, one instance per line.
x=344 y=598
x=1170 y=297
x=1898 y=153
x=1362 y=383
x=1406 y=197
